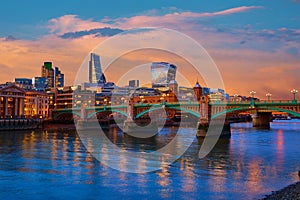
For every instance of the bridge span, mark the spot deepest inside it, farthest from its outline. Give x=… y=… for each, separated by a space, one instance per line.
x=260 y=110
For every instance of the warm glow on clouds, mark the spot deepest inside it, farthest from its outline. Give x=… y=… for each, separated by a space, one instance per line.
x=261 y=60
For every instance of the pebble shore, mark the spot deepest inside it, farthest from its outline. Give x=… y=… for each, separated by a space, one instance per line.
x=290 y=192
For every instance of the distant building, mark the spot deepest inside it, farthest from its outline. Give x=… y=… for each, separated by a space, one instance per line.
x=162 y=74
x=205 y=91
x=59 y=78
x=24 y=83
x=40 y=83
x=134 y=83
x=95 y=72
x=48 y=73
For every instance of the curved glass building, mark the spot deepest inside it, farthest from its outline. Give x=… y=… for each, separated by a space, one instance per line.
x=162 y=73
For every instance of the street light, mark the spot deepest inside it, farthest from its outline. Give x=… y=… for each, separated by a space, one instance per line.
x=268 y=95
x=252 y=93
x=235 y=96
x=123 y=99
x=294 y=92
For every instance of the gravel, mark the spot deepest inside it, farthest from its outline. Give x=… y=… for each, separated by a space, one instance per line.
x=290 y=192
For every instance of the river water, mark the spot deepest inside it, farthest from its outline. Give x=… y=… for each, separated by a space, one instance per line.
x=56 y=165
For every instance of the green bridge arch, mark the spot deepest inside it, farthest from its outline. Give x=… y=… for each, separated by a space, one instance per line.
x=175 y=108
x=113 y=111
x=296 y=114
x=67 y=112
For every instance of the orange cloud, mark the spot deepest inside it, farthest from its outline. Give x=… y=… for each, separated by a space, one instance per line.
x=244 y=68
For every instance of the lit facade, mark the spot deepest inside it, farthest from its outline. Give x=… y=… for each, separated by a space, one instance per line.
x=36 y=104
x=162 y=74
x=95 y=72
x=11 y=101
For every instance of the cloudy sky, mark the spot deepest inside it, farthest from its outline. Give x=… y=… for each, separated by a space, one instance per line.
x=255 y=44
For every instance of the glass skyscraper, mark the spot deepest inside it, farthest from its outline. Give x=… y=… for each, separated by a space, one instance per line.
x=162 y=74
x=95 y=71
x=48 y=73
x=59 y=78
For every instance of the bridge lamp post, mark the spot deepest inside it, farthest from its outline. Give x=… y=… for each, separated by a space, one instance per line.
x=252 y=93
x=123 y=100
x=234 y=97
x=268 y=95
x=294 y=92
x=189 y=95
x=162 y=100
x=142 y=99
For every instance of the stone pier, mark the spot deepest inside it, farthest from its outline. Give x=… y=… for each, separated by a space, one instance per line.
x=203 y=127
x=262 y=120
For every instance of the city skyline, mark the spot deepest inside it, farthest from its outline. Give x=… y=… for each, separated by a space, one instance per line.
x=254 y=47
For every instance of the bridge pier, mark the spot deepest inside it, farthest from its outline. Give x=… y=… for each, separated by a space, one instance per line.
x=203 y=126
x=262 y=120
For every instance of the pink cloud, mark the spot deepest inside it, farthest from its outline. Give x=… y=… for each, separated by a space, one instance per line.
x=253 y=69
x=72 y=23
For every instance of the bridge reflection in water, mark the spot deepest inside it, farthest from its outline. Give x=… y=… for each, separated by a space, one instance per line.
x=56 y=164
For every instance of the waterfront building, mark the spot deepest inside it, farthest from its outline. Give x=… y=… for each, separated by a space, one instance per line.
x=162 y=73
x=24 y=83
x=11 y=101
x=36 y=104
x=51 y=92
x=151 y=95
x=64 y=97
x=48 y=73
x=96 y=75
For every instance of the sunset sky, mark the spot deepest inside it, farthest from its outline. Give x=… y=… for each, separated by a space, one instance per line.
x=255 y=44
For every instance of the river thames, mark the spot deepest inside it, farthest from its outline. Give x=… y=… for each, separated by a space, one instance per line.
x=56 y=165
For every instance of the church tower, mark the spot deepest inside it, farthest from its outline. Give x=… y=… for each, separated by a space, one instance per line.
x=197 y=91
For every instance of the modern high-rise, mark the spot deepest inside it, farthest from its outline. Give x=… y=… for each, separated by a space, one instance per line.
x=134 y=83
x=95 y=72
x=48 y=73
x=59 y=78
x=162 y=74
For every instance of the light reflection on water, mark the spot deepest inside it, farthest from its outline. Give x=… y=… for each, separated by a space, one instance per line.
x=38 y=165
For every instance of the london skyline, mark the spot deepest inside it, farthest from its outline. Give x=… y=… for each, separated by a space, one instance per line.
x=255 y=45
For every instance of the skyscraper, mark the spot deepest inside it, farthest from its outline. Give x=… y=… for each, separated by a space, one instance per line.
x=95 y=71
x=134 y=83
x=58 y=78
x=162 y=74
x=48 y=73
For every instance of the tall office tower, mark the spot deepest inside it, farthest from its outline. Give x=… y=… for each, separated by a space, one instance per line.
x=95 y=71
x=48 y=73
x=162 y=74
x=59 y=78
x=134 y=83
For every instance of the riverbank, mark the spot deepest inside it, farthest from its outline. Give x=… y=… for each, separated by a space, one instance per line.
x=289 y=192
